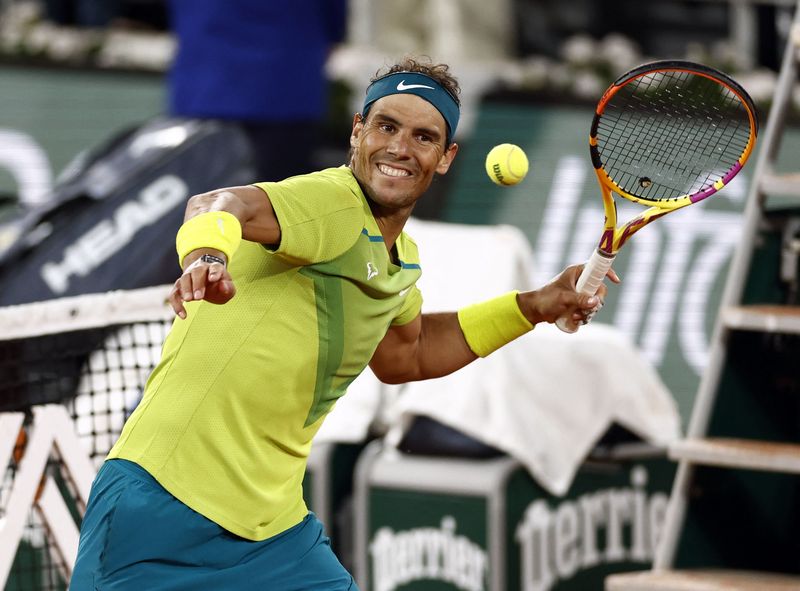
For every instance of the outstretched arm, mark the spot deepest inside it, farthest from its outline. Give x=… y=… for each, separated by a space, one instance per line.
x=248 y=203
x=430 y=346
x=211 y=281
x=434 y=345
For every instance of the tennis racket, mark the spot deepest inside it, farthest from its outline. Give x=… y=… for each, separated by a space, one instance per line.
x=666 y=135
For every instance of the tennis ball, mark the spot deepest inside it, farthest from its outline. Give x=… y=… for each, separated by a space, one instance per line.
x=506 y=164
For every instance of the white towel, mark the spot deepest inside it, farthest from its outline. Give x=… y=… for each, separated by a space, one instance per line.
x=547 y=398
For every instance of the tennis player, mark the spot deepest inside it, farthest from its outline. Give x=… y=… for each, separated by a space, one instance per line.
x=203 y=490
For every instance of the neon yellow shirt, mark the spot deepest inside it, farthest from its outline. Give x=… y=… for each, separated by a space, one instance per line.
x=227 y=417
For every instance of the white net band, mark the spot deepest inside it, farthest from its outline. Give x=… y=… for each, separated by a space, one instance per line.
x=84 y=312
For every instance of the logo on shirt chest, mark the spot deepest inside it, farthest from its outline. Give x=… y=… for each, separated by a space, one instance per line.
x=372 y=270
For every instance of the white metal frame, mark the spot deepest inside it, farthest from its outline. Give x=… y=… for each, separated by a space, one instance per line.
x=732 y=294
x=52 y=430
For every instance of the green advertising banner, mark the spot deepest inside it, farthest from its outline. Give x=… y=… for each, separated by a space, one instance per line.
x=434 y=524
x=427 y=542
x=607 y=523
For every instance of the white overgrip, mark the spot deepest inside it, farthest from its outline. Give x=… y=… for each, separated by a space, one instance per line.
x=591 y=277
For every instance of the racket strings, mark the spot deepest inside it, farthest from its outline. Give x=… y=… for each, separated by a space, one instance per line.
x=667 y=134
x=663 y=143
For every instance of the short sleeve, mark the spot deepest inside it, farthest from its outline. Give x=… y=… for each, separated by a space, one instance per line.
x=320 y=215
x=411 y=308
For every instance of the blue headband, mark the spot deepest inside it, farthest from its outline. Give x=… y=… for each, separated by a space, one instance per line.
x=421 y=85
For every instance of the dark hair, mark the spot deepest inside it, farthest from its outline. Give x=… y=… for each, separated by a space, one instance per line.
x=424 y=65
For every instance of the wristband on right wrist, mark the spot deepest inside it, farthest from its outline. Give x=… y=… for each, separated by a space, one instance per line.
x=219 y=230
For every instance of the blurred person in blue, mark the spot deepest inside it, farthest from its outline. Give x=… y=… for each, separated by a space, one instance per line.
x=261 y=64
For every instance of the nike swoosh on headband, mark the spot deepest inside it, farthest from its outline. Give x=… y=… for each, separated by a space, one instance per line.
x=403 y=86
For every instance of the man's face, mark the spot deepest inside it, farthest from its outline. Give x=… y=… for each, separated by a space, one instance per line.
x=398 y=148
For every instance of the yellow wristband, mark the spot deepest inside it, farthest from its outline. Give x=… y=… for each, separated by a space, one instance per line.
x=489 y=325
x=214 y=229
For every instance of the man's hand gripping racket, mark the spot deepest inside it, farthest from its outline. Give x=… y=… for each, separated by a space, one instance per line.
x=666 y=134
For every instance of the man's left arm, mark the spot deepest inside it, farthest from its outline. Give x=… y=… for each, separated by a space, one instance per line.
x=435 y=345
x=430 y=346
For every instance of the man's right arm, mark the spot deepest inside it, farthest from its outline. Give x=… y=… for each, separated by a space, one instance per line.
x=248 y=203
x=212 y=282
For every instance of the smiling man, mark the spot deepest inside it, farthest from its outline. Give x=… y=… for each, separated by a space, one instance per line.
x=204 y=487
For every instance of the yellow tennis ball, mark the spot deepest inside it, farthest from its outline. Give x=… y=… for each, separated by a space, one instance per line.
x=506 y=164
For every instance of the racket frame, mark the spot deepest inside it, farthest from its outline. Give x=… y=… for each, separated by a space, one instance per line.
x=613 y=238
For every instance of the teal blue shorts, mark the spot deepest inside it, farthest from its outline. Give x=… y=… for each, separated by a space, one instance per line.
x=136 y=536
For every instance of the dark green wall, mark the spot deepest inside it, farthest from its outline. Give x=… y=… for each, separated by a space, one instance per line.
x=67 y=111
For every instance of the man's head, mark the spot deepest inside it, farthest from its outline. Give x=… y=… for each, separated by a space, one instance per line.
x=404 y=134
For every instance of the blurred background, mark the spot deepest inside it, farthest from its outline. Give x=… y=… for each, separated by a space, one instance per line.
x=75 y=74
x=113 y=112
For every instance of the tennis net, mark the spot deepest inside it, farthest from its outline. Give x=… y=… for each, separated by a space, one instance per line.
x=85 y=359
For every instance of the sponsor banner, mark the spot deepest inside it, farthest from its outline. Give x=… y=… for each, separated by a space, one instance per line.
x=427 y=541
x=604 y=530
x=609 y=522
x=439 y=553
x=110 y=235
